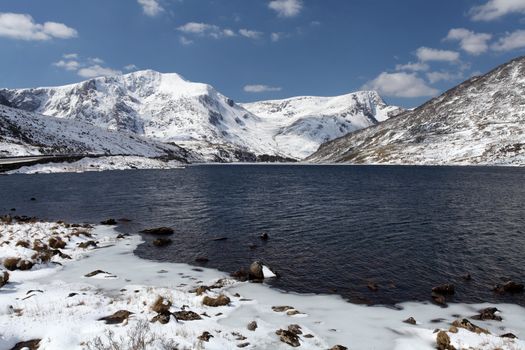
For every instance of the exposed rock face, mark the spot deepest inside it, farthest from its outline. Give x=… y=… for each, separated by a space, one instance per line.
x=481 y=121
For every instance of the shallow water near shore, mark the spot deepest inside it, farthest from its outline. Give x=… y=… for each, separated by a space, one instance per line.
x=333 y=229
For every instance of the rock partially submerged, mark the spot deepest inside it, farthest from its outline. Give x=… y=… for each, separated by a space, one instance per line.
x=162 y=242
x=256 y=271
x=444 y=289
x=488 y=313
x=159 y=231
x=509 y=287
x=109 y=222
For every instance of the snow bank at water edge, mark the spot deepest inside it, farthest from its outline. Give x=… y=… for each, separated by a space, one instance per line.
x=99 y=164
x=60 y=303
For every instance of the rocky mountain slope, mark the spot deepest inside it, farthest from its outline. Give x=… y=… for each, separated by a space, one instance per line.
x=26 y=133
x=481 y=121
x=168 y=108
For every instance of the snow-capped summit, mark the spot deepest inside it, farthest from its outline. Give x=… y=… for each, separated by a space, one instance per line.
x=169 y=108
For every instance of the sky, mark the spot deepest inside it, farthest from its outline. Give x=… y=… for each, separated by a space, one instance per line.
x=407 y=50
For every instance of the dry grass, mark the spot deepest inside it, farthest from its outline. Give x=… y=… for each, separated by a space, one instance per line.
x=11 y=263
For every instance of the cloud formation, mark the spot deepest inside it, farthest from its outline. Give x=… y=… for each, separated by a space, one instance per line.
x=413 y=67
x=511 y=41
x=495 y=9
x=205 y=29
x=258 y=88
x=91 y=67
x=473 y=43
x=400 y=84
x=251 y=34
x=97 y=71
x=23 y=27
x=286 y=8
x=150 y=7
x=426 y=54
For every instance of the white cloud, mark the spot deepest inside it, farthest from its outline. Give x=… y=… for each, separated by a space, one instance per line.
x=426 y=54
x=275 y=37
x=97 y=71
x=251 y=34
x=511 y=41
x=95 y=60
x=23 y=27
x=400 y=84
x=286 y=8
x=70 y=65
x=70 y=56
x=495 y=9
x=185 y=41
x=413 y=67
x=257 y=88
x=228 y=32
x=150 y=7
x=473 y=43
x=130 y=67
x=434 y=77
x=205 y=29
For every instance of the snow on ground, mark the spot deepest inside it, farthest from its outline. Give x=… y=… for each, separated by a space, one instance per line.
x=98 y=164
x=59 y=305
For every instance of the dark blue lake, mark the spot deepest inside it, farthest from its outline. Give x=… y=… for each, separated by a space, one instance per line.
x=333 y=229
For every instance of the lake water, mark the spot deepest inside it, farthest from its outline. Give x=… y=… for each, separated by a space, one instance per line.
x=333 y=229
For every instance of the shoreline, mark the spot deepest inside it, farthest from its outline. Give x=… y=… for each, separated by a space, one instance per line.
x=137 y=283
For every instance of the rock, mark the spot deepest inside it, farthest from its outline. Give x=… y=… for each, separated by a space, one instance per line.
x=159 y=231
x=219 y=239
x=221 y=300
x=288 y=337
x=187 y=315
x=256 y=271
x=293 y=312
x=87 y=244
x=118 y=317
x=466 y=324
x=32 y=199
x=4 y=278
x=201 y=290
x=410 y=320
x=373 y=286
x=338 y=347
x=60 y=254
x=205 y=336
x=467 y=277
x=24 y=244
x=453 y=329
x=56 y=242
x=33 y=344
x=161 y=318
x=25 y=265
x=202 y=259
x=295 y=328
x=444 y=289
x=109 y=222
x=240 y=275
x=264 y=236
x=243 y=345
x=121 y=236
x=308 y=336
x=488 y=313
x=252 y=326
x=439 y=299
x=162 y=242
x=282 y=308
x=96 y=272
x=238 y=336
x=443 y=341
x=11 y=263
x=509 y=287
x=509 y=335
x=161 y=305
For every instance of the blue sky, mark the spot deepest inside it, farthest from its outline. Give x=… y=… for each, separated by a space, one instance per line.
x=408 y=50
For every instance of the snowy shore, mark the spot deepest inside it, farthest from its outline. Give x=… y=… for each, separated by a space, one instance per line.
x=99 y=164
x=55 y=303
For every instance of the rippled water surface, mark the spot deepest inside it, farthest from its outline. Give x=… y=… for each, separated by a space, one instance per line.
x=333 y=229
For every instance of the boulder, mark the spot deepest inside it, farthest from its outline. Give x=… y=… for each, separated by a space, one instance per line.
x=256 y=271
x=11 y=263
x=56 y=242
x=187 y=315
x=282 y=308
x=252 y=326
x=488 y=313
x=161 y=305
x=25 y=265
x=509 y=287
x=444 y=289
x=4 y=278
x=443 y=341
x=221 y=300
x=338 y=347
x=118 y=317
x=162 y=242
x=288 y=337
x=159 y=231
x=109 y=222
x=410 y=320
x=264 y=236
x=466 y=324
x=161 y=318
x=205 y=336
x=295 y=328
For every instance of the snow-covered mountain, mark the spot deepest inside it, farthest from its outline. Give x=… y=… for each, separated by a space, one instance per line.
x=27 y=133
x=481 y=121
x=299 y=125
x=168 y=108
